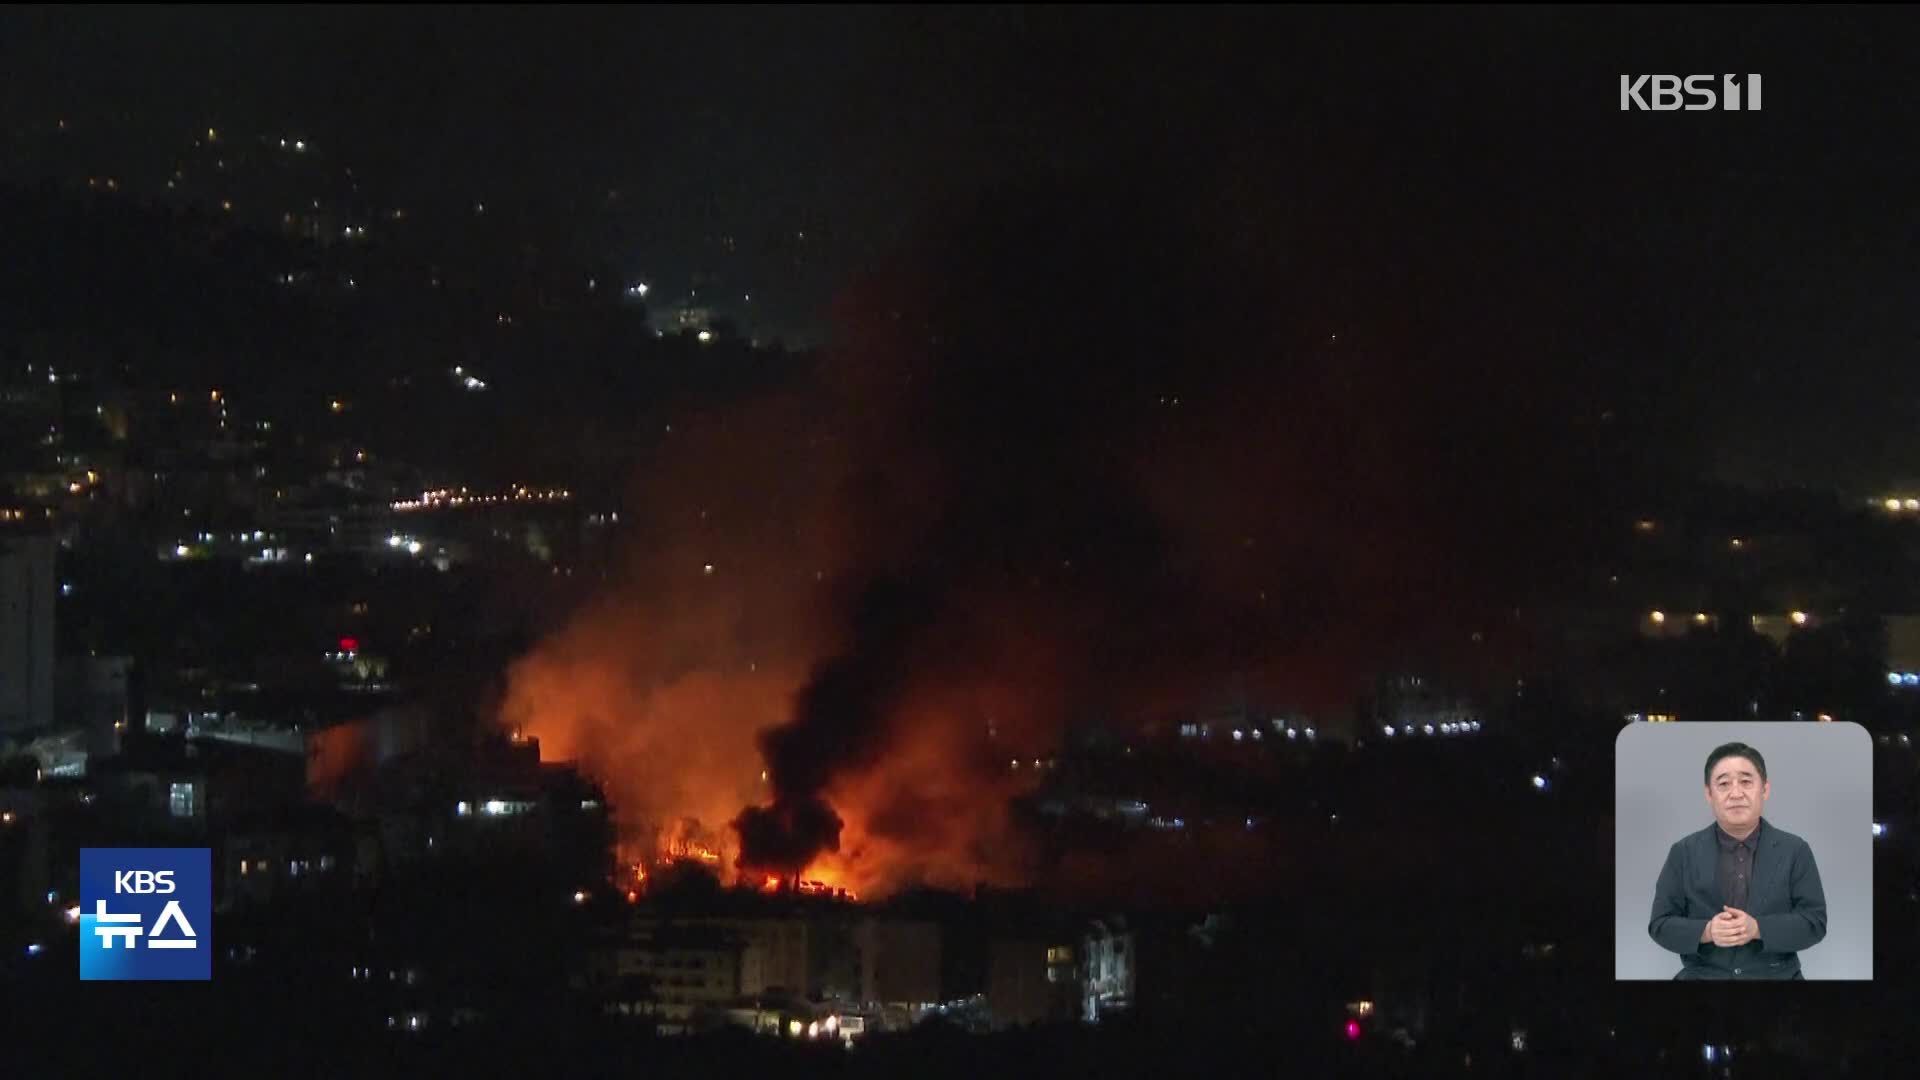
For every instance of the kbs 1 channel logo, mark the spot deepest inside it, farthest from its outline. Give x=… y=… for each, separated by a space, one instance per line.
x=146 y=914
x=1689 y=93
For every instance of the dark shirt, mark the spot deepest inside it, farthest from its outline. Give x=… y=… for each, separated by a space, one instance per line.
x=1734 y=872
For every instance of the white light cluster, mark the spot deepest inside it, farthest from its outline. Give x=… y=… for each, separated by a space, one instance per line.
x=1459 y=727
x=1903 y=679
x=447 y=497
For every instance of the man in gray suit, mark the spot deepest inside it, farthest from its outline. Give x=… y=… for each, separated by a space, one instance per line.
x=1740 y=898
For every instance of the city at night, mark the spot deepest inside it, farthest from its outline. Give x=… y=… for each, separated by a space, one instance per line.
x=943 y=542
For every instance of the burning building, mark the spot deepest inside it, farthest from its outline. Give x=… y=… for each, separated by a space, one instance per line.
x=978 y=516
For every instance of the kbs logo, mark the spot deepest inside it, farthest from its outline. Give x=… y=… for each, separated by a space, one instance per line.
x=143 y=881
x=146 y=913
x=1693 y=93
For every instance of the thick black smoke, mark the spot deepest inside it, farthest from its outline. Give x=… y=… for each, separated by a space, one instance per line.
x=840 y=719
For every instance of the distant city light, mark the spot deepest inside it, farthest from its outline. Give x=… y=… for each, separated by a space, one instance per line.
x=1799 y=618
x=1913 y=504
x=1426 y=729
x=1658 y=617
x=1387 y=731
x=1700 y=618
x=705 y=336
x=462 y=808
x=1893 y=505
x=1879 y=829
x=1539 y=782
x=1353 y=1030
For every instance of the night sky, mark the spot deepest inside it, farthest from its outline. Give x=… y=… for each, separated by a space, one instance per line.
x=1748 y=278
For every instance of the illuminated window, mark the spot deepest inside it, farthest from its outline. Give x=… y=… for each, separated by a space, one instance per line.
x=180 y=800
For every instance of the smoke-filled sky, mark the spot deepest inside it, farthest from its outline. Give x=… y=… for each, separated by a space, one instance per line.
x=1016 y=497
x=1763 y=259
x=1272 y=395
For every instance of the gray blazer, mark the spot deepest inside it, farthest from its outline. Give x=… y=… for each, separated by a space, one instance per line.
x=1785 y=899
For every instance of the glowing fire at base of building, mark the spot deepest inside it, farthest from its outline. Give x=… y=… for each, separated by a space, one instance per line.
x=774 y=883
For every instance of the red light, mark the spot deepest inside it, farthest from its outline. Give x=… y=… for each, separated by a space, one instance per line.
x=348 y=644
x=1353 y=1030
